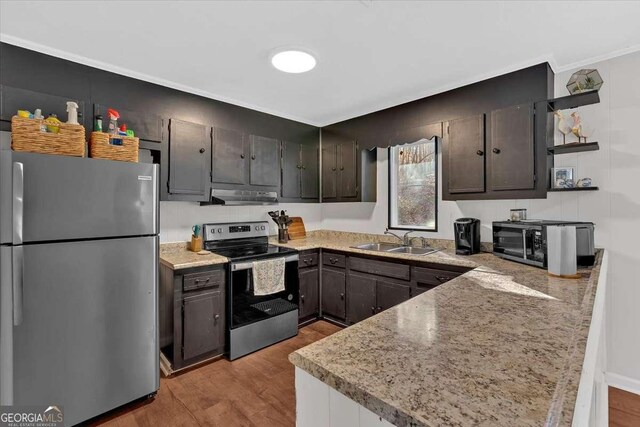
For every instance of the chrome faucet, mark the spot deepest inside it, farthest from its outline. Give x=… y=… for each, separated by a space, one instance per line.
x=406 y=240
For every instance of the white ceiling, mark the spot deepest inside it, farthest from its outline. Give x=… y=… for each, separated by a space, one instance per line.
x=371 y=54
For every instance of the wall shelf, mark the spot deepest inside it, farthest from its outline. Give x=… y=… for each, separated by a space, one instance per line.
x=573 y=189
x=574 y=147
x=573 y=101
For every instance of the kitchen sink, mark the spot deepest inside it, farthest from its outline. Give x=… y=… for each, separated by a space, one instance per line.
x=411 y=250
x=380 y=247
x=394 y=248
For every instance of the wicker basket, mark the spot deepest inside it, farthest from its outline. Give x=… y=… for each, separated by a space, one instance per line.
x=27 y=136
x=101 y=147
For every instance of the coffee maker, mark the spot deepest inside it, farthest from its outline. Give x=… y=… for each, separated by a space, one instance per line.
x=467 y=235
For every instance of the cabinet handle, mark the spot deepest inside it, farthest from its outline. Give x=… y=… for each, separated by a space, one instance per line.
x=479 y=152
x=496 y=150
x=216 y=317
x=333 y=168
x=202 y=150
x=242 y=156
x=299 y=167
x=341 y=168
x=201 y=281
x=253 y=157
x=373 y=310
x=443 y=278
x=341 y=296
x=302 y=298
x=307 y=261
x=304 y=167
x=379 y=309
x=333 y=260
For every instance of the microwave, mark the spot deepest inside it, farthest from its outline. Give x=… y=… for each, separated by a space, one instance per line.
x=526 y=241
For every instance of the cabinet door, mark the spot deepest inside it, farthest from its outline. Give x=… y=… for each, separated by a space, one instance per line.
x=309 y=176
x=389 y=294
x=203 y=324
x=290 y=169
x=464 y=155
x=229 y=159
x=333 y=292
x=348 y=173
x=265 y=161
x=309 y=302
x=361 y=297
x=512 y=148
x=188 y=165
x=329 y=170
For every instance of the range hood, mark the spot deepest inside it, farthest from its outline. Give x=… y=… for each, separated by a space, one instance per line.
x=241 y=197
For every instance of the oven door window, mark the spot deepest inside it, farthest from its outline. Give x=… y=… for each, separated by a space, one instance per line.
x=247 y=308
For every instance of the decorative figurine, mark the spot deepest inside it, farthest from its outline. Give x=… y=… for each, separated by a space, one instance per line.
x=584 y=182
x=563 y=127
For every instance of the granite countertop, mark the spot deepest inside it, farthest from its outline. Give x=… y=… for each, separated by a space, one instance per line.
x=503 y=344
x=177 y=256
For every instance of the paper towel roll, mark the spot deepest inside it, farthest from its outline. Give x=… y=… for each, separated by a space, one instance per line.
x=561 y=251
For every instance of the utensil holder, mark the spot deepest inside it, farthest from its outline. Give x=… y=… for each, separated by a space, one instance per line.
x=196 y=243
x=283 y=235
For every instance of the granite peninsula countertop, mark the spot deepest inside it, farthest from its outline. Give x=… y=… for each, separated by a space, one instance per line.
x=501 y=345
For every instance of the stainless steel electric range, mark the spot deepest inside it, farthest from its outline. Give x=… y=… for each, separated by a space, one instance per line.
x=254 y=322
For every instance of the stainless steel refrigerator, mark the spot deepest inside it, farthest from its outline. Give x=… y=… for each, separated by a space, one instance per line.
x=78 y=282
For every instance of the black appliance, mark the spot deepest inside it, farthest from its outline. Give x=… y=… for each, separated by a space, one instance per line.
x=254 y=322
x=526 y=241
x=467 y=232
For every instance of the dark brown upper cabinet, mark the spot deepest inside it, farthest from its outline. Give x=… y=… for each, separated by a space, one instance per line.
x=340 y=170
x=264 y=161
x=300 y=174
x=499 y=155
x=512 y=148
x=189 y=145
x=228 y=157
x=464 y=155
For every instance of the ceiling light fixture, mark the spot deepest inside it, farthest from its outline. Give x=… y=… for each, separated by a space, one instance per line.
x=293 y=61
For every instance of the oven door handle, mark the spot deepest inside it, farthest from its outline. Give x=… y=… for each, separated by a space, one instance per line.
x=246 y=265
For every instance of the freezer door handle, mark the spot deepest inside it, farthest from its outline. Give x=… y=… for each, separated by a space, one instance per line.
x=17 y=202
x=17 y=282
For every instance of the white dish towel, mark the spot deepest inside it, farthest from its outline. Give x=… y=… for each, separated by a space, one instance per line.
x=268 y=276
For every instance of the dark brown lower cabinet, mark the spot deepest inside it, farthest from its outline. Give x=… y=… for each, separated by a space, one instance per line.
x=333 y=292
x=192 y=315
x=309 y=293
x=203 y=323
x=361 y=297
x=389 y=294
x=425 y=278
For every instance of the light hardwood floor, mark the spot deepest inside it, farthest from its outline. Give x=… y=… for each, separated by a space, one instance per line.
x=624 y=408
x=256 y=390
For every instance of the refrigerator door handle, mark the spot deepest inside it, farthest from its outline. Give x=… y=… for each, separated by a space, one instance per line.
x=17 y=284
x=17 y=202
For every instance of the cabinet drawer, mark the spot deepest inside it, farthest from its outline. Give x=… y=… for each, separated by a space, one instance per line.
x=431 y=276
x=380 y=268
x=308 y=260
x=334 y=260
x=202 y=280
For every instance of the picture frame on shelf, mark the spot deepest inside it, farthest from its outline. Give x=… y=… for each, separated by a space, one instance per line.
x=563 y=177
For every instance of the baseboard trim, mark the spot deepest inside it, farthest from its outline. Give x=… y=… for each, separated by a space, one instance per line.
x=623 y=383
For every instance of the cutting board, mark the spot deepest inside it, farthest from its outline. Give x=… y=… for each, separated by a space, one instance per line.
x=296 y=229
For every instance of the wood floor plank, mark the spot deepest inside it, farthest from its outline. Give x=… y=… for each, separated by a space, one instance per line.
x=624 y=401
x=618 y=418
x=254 y=391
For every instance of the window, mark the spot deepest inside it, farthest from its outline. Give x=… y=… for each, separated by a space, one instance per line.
x=413 y=186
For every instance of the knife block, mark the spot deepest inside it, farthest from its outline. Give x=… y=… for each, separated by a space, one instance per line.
x=196 y=243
